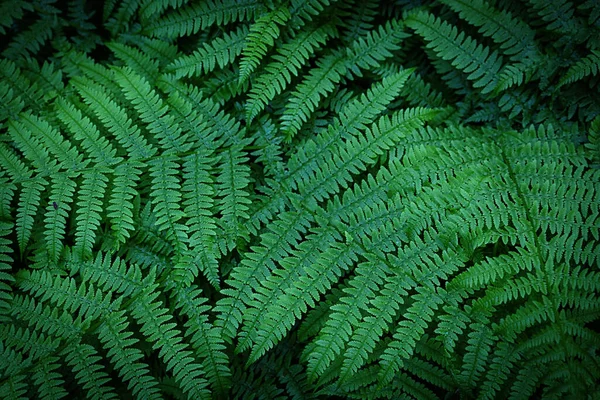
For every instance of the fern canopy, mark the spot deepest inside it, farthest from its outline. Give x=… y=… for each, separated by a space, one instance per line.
x=304 y=199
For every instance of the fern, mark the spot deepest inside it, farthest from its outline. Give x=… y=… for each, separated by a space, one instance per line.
x=221 y=52
x=299 y=199
x=262 y=35
x=462 y=51
x=585 y=67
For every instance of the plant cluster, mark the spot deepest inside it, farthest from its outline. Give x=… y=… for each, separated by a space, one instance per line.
x=273 y=199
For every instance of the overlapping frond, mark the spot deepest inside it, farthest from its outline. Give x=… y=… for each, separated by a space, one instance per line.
x=299 y=199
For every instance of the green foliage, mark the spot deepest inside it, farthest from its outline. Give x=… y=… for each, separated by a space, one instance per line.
x=299 y=199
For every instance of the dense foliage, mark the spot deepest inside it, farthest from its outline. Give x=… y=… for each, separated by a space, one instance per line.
x=299 y=199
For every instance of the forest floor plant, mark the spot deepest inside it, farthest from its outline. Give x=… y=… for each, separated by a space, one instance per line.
x=302 y=199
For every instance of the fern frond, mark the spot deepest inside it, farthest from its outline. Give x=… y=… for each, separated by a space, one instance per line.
x=369 y=329
x=126 y=176
x=262 y=35
x=462 y=51
x=198 y=201
x=205 y=338
x=286 y=64
x=62 y=149
x=594 y=12
x=587 y=66
x=152 y=110
x=477 y=352
x=313 y=154
x=409 y=331
x=192 y=18
x=88 y=214
x=12 y=385
x=156 y=324
x=138 y=61
x=45 y=318
x=6 y=279
x=29 y=41
x=86 y=132
x=166 y=192
x=513 y=35
x=61 y=194
x=115 y=118
x=83 y=359
x=232 y=181
x=30 y=193
x=117 y=21
x=364 y=53
x=152 y=8
x=10 y=103
x=283 y=233
x=22 y=89
x=29 y=203
x=499 y=370
x=32 y=148
x=221 y=51
x=127 y=359
x=558 y=14
x=9 y=12
x=331 y=340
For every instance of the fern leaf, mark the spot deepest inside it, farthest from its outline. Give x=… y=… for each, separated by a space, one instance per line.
x=6 y=279
x=10 y=12
x=138 y=61
x=152 y=8
x=152 y=110
x=11 y=104
x=310 y=157
x=476 y=356
x=49 y=381
x=166 y=192
x=61 y=193
x=28 y=42
x=363 y=54
x=462 y=51
x=221 y=51
x=361 y=151
x=29 y=203
x=88 y=212
x=67 y=155
x=22 y=88
x=12 y=385
x=513 y=35
x=232 y=181
x=156 y=325
x=83 y=358
x=120 y=208
x=409 y=331
x=45 y=318
x=368 y=330
x=499 y=370
x=281 y=315
x=587 y=66
x=287 y=63
x=126 y=358
x=85 y=131
x=32 y=148
x=346 y=314
x=198 y=201
x=115 y=119
x=254 y=268
x=262 y=35
x=559 y=16
x=117 y=21
x=205 y=338
x=192 y=18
